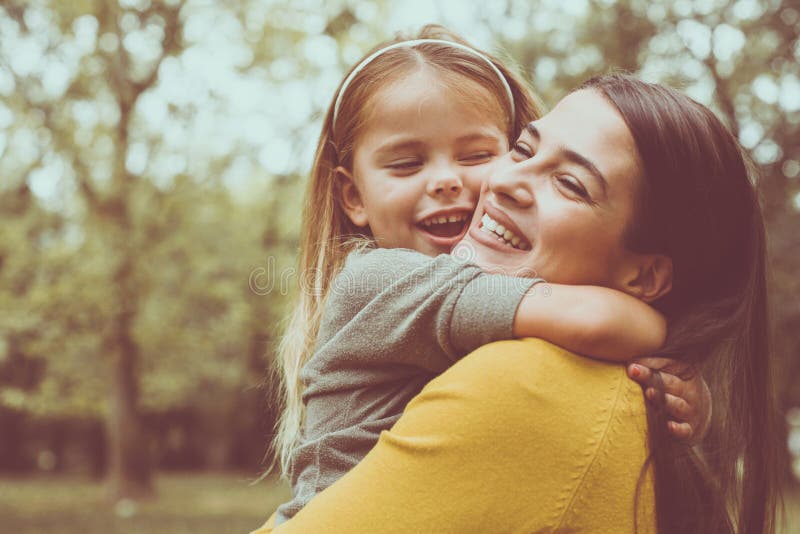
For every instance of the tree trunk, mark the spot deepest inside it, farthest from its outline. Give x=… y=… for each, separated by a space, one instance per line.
x=129 y=467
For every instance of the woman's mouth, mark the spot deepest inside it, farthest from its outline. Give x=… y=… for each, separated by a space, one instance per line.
x=495 y=230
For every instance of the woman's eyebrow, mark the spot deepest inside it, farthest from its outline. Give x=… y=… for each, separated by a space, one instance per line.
x=574 y=157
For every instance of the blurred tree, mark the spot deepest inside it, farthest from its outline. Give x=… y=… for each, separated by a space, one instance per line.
x=121 y=78
x=127 y=293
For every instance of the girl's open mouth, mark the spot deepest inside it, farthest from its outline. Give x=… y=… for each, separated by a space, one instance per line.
x=445 y=226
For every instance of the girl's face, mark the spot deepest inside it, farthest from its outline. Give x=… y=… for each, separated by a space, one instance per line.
x=419 y=165
x=563 y=197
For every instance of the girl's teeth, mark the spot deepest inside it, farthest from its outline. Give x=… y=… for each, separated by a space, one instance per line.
x=444 y=219
x=515 y=241
x=508 y=235
x=500 y=229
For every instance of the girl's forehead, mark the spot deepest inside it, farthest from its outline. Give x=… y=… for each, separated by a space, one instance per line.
x=416 y=94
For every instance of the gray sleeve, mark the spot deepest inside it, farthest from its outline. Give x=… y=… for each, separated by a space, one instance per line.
x=397 y=306
x=485 y=310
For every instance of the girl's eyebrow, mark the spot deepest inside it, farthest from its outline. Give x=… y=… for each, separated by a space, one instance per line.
x=476 y=136
x=410 y=144
x=400 y=144
x=574 y=157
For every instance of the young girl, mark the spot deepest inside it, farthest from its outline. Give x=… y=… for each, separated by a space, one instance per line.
x=404 y=151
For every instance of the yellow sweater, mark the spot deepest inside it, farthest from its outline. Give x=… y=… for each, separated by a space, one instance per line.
x=519 y=436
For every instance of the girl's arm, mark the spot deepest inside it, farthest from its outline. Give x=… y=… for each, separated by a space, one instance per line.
x=594 y=321
x=407 y=305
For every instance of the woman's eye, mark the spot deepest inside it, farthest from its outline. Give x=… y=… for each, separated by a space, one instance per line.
x=522 y=149
x=574 y=186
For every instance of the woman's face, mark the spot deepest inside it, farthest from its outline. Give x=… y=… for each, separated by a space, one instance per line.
x=562 y=198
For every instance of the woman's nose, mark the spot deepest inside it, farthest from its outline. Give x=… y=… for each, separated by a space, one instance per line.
x=508 y=182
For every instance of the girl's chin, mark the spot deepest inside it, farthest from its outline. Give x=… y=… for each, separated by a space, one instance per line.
x=434 y=247
x=442 y=243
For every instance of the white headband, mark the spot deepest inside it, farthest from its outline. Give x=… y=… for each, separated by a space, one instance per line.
x=409 y=44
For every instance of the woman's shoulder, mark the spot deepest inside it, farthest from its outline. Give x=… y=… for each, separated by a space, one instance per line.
x=532 y=383
x=570 y=428
x=532 y=363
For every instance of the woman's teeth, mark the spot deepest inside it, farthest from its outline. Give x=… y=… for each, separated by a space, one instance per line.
x=492 y=227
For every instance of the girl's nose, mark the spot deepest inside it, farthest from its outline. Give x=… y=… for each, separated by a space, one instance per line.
x=445 y=183
x=508 y=182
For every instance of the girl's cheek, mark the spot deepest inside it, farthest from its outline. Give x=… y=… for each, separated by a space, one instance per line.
x=475 y=179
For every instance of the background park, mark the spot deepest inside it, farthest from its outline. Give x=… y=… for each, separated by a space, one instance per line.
x=153 y=156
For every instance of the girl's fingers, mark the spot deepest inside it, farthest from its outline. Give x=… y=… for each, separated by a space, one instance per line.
x=654 y=362
x=683 y=370
x=640 y=373
x=680 y=430
x=684 y=395
x=677 y=407
x=672 y=384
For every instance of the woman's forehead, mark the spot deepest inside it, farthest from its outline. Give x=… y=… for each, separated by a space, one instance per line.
x=586 y=123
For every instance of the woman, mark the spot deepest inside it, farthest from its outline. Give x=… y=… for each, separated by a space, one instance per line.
x=627 y=185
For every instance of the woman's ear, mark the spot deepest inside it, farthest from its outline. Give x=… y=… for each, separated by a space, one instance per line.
x=350 y=197
x=649 y=277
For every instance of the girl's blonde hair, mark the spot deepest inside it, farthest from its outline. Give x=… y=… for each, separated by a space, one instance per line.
x=327 y=235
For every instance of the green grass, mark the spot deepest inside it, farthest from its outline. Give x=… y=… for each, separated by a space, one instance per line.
x=196 y=504
x=185 y=503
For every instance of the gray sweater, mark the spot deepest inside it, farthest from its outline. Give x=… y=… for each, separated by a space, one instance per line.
x=393 y=320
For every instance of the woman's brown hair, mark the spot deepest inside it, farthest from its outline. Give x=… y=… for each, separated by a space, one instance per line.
x=698 y=205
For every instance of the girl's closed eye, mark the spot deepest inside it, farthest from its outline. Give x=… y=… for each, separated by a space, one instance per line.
x=406 y=165
x=477 y=158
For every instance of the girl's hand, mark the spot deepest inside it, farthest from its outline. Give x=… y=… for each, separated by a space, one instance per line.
x=682 y=390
